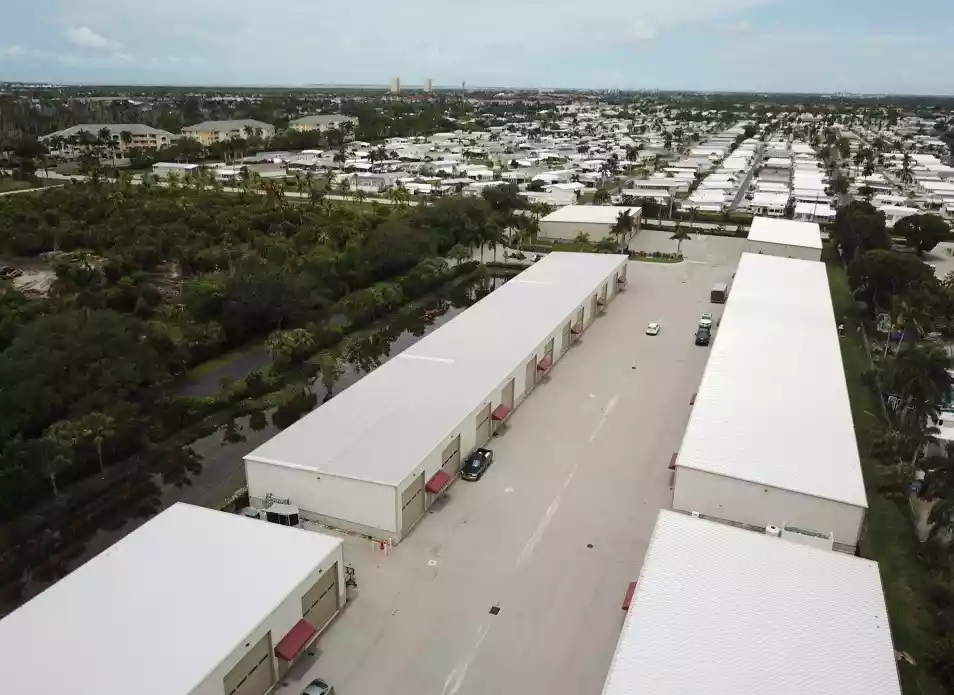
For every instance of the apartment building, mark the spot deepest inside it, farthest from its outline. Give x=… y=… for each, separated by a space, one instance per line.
x=211 y=132
x=124 y=136
x=322 y=122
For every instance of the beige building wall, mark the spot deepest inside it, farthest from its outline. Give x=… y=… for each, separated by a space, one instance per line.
x=210 y=137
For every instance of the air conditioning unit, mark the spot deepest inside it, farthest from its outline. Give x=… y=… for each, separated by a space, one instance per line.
x=773 y=531
x=695 y=515
x=282 y=514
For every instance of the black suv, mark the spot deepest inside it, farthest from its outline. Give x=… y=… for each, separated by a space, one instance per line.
x=703 y=335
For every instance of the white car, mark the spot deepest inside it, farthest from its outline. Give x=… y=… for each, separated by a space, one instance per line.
x=705 y=321
x=652 y=329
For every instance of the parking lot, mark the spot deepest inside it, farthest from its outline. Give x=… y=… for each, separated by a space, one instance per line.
x=513 y=584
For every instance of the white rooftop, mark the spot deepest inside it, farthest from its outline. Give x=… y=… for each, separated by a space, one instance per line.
x=155 y=613
x=788 y=232
x=773 y=407
x=590 y=214
x=382 y=427
x=724 y=611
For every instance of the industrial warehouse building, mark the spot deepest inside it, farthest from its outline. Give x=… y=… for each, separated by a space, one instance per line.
x=374 y=458
x=785 y=238
x=725 y=611
x=194 y=602
x=596 y=221
x=770 y=440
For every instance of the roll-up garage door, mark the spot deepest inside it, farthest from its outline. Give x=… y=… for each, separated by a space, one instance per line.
x=320 y=602
x=412 y=504
x=483 y=425
x=253 y=675
x=451 y=457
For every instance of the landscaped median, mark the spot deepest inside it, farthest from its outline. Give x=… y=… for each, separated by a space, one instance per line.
x=889 y=536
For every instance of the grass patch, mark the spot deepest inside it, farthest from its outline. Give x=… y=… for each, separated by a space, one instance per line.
x=9 y=184
x=889 y=536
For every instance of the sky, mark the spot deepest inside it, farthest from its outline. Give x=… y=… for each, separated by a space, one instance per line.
x=859 y=46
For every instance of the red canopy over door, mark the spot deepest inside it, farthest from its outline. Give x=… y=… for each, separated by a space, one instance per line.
x=544 y=364
x=437 y=483
x=501 y=412
x=292 y=644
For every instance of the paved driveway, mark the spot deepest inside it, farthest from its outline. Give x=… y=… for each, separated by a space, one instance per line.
x=550 y=536
x=718 y=251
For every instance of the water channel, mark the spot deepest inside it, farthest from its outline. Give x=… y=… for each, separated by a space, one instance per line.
x=210 y=469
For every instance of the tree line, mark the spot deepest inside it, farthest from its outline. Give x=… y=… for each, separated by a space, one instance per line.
x=909 y=315
x=149 y=282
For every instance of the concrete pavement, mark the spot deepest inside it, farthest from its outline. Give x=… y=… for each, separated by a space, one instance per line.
x=552 y=534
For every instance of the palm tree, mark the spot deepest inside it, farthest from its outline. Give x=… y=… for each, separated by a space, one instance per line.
x=601 y=197
x=680 y=235
x=918 y=376
x=98 y=427
x=941 y=517
x=62 y=439
x=906 y=176
x=623 y=226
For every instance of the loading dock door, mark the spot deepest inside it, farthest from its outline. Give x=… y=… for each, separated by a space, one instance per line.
x=592 y=308
x=565 y=340
x=483 y=425
x=253 y=675
x=320 y=602
x=412 y=504
x=507 y=399
x=531 y=378
x=451 y=458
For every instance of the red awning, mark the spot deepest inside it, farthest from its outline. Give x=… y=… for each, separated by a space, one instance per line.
x=630 y=592
x=576 y=330
x=621 y=279
x=437 y=483
x=672 y=462
x=296 y=639
x=600 y=301
x=544 y=364
x=500 y=412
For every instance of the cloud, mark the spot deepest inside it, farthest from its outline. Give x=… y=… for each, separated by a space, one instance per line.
x=739 y=28
x=12 y=51
x=87 y=38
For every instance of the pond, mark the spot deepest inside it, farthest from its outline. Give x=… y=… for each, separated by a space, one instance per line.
x=210 y=469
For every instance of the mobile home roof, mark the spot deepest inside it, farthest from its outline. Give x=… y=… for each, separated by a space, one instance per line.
x=158 y=611
x=788 y=232
x=725 y=611
x=383 y=427
x=773 y=406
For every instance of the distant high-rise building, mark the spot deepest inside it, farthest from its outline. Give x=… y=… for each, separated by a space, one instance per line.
x=428 y=84
x=395 y=85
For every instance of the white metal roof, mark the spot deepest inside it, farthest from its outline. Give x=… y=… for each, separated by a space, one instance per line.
x=155 y=613
x=589 y=214
x=723 y=611
x=381 y=428
x=788 y=232
x=773 y=406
